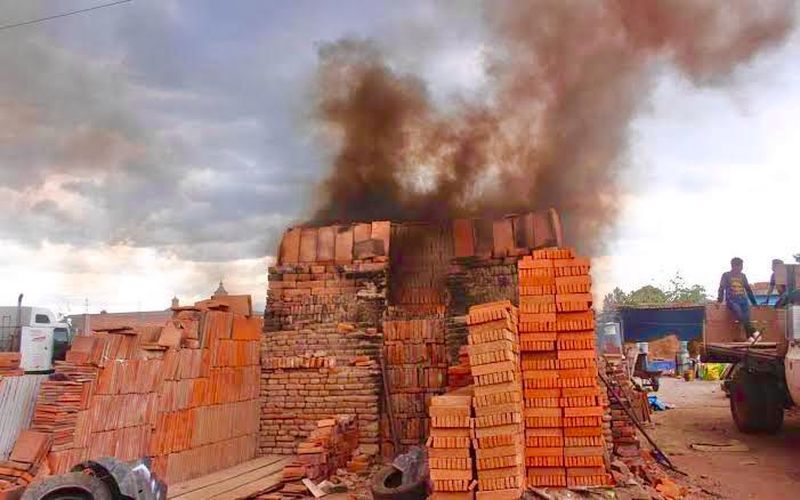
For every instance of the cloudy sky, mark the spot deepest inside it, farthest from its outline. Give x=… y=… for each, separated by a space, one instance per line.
x=155 y=147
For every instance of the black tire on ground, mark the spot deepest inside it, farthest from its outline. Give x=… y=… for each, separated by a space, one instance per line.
x=386 y=484
x=746 y=402
x=756 y=403
x=772 y=416
x=70 y=486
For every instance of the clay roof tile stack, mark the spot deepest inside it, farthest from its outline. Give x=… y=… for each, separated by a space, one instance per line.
x=494 y=361
x=185 y=394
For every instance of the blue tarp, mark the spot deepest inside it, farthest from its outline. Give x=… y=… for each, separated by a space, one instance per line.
x=646 y=324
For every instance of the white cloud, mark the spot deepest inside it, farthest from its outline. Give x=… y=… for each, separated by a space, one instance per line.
x=118 y=278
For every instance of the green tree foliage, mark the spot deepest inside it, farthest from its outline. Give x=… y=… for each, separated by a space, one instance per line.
x=677 y=291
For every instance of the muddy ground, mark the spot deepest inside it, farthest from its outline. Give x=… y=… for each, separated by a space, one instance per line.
x=769 y=470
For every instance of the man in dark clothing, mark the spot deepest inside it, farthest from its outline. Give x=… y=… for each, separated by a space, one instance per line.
x=779 y=289
x=735 y=290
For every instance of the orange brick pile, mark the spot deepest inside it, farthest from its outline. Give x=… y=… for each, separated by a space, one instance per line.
x=494 y=360
x=623 y=431
x=416 y=360
x=329 y=447
x=26 y=461
x=315 y=374
x=564 y=439
x=460 y=375
x=9 y=364
x=449 y=446
x=185 y=394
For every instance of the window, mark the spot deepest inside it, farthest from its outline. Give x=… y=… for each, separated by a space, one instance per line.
x=42 y=319
x=60 y=335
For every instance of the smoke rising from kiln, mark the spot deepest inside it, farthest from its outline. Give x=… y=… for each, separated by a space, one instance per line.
x=566 y=79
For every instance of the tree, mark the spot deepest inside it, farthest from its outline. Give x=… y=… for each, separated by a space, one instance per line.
x=676 y=292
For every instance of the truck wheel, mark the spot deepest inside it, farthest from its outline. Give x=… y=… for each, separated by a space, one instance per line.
x=772 y=415
x=747 y=402
x=70 y=486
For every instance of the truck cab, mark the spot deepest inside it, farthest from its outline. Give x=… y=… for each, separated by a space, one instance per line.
x=36 y=334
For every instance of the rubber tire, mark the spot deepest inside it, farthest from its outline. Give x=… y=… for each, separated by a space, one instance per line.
x=655 y=383
x=756 y=405
x=56 y=487
x=772 y=416
x=390 y=473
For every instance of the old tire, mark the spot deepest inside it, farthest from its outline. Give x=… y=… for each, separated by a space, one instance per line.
x=756 y=403
x=70 y=486
x=387 y=485
x=746 y=402
x=772 y=416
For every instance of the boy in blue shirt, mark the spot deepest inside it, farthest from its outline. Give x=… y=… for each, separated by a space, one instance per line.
x=735 y=290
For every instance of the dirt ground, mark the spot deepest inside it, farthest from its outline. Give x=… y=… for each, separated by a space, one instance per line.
x=769 y=470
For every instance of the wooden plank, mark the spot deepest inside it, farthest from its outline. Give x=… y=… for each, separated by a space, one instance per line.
x=17 y=400
x=253 y=487
x=221 y=489
x=186 y=487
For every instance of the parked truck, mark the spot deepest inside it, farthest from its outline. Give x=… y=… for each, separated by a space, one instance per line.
x=765 y=378
x=35 y=333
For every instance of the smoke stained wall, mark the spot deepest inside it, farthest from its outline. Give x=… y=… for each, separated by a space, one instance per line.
x=567 y=77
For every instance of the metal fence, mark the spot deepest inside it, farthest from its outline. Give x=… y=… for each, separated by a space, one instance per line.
x=8 y=329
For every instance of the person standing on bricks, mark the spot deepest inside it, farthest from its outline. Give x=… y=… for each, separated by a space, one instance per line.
x=736 y=291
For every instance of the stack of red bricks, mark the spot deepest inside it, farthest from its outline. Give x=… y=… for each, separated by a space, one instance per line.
x=494 y=360
x=563 y=410
x=450 y=457
x=460 y=375
x=9 y=364
x=316 y=374
x=621 y=391
x=185 y=394
x=416 y=360
x=329 y=447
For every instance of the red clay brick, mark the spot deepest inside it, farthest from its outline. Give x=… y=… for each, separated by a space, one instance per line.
x=463 y=238
x=308 y=245
x=290 y=247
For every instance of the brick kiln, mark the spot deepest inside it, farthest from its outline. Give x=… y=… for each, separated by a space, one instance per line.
x=342 y=297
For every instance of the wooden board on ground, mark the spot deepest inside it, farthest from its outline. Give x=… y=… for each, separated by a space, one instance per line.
x=234 y=482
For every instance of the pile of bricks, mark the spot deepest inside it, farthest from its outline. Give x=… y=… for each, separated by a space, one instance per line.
x=460 y=374
x=185 y=394
x=416 y=370
x=450 y=458
x=563 y=410
x=623 y=431
x=314 y=374
x=27 y=458
x=494 y=360
x=329 y=447
x=9 y=364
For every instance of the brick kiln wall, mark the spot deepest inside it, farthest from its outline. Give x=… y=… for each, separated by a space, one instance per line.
x=476 y=280
x=319 y=350
x=318 y=373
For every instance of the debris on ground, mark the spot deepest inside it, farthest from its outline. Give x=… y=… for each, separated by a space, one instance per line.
x=731 y=445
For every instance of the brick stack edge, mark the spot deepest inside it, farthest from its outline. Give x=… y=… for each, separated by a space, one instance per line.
x=622 y=430
x=563 y=406
x=450 y=455
x=499 y=439
x=184 y=394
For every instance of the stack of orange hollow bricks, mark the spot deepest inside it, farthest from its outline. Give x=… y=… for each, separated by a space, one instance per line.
x=494 y=361
x=564 y=443
x=449 y=451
